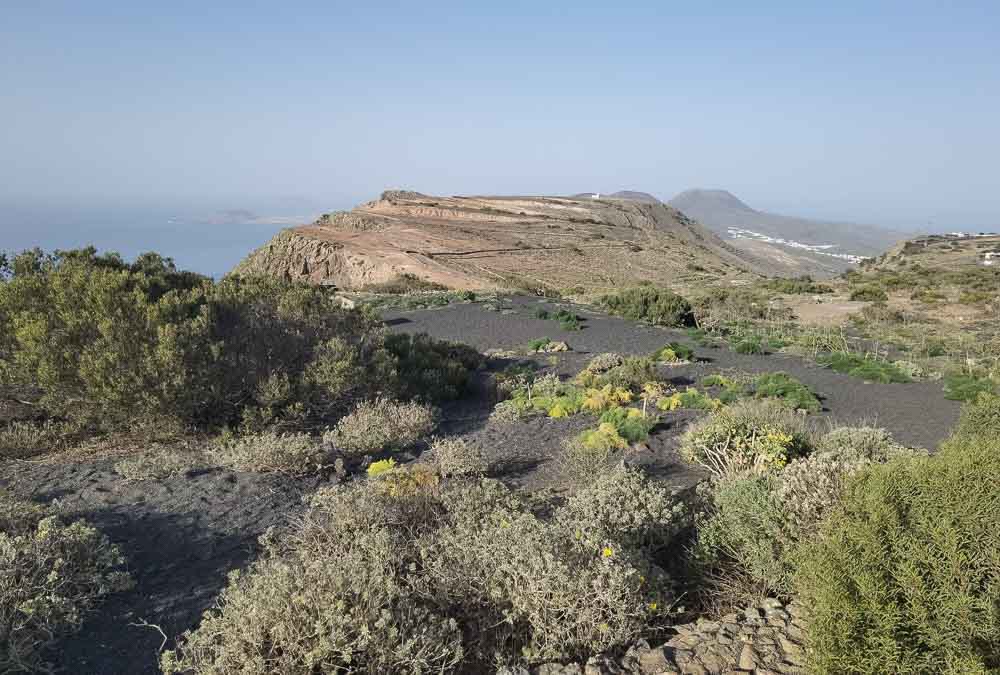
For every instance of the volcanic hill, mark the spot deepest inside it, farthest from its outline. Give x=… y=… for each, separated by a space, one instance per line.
x=477 y=242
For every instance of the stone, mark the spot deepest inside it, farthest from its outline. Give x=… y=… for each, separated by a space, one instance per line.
x=654 y=661
x=558 y=669
x=603 y=665
x=748 y=658
x=771 y=603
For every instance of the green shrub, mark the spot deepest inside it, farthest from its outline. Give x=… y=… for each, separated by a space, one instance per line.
x=750 y=436
x=673 y=352
x=657 y=306
x=270 y=450
x=749 y=344
x=458 y=457
x=869 y=294
x=630 y=423
x=382 y=424
x=904 y=576
x=858 y=366
x=755 y=525
x=632 y=374
x=799 y=285
x=429 y=369
x=689 y=398
x=112 y=343
x=745 y=531
x=959 y=387
x=982 y=418
x=786 y=388
x=53 y=575
x=539 y=344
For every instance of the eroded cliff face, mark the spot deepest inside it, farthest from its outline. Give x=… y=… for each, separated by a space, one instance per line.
x=490 y=242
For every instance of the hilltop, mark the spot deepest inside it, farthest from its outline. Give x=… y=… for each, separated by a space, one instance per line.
x=479 y=242
x=812 y=245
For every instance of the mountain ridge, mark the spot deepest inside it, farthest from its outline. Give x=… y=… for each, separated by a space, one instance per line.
x=479 y=242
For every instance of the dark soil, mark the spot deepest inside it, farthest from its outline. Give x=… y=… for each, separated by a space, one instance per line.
x=183 y=535
x=916 y=413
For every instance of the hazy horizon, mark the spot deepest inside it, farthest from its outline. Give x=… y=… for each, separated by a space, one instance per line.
x=879 y=114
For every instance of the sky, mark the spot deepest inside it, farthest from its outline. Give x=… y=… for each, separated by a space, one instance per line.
x=123 y=112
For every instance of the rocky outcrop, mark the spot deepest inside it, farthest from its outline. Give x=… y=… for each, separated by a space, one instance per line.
x=765 y=639
x=499 y=242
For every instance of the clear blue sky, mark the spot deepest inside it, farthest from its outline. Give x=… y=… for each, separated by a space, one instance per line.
x=875 y=112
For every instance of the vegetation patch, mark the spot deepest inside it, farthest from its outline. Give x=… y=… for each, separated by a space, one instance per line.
x=751 y=436
x=674 y=352
x=858 y=366
x=657 y=306
x=960 y=387
x=407 y=575
x=382 y=424
x=903 y=576
x=54 y=574
x=266 y=451
x=786 y=388
x=110 y=344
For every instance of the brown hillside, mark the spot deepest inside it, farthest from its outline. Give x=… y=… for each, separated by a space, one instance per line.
x=496 y=242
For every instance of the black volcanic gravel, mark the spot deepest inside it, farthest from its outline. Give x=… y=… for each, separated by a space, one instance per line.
x=916 y=413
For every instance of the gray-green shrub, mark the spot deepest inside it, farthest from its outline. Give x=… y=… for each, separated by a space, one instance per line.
x=291 y=453
x=755 y=436
x=382 y=424
x=52 y=574
x=401 y=573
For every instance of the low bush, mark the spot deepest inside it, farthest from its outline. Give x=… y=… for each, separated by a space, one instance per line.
x=624 y=505
x=858 y=366
x=756 y=524
x=673 y=352
x=602 y=363
x=632 y=374
x=457 y=457
x=751 y=436
x=23 y=439
x=428 y=369
x=405 y=575
x=749 y=344
x=382 y=424
x=657 y=306
x=689 y=398
x=796 y=286
x=590 y=454
x=904 y=575
x=630 y=423
x=869 y=294
x=966 y=387
x=53 y=575
x=291 y=453
x=786 y=388
x=539 y=344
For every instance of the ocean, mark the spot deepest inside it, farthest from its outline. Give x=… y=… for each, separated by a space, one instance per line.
x=204 y=241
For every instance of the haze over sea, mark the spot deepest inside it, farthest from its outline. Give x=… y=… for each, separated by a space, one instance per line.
x=206 y=239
